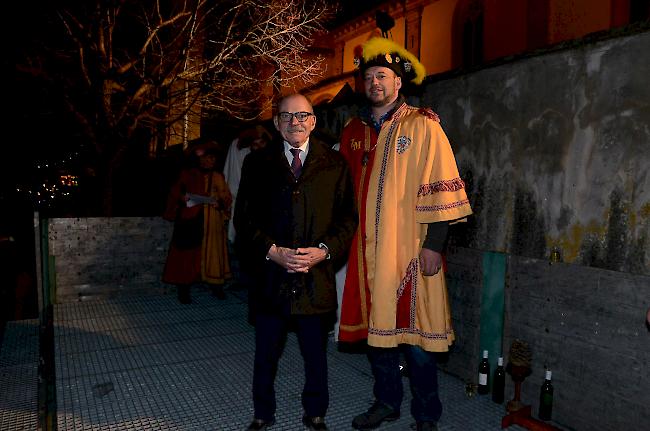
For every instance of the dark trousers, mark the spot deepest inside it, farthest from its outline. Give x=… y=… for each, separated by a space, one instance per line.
x=270 y=337
x=423 y=379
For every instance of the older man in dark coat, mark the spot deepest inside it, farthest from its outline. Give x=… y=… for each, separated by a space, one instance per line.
x=295 y=216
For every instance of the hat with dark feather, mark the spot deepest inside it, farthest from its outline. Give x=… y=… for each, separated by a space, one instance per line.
x=379 y=51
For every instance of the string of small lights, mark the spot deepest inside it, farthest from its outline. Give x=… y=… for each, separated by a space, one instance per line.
x=51 y=183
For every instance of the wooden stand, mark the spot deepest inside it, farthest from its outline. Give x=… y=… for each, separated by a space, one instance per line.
x=518 y=413
x=518 y=374
x=524 y=418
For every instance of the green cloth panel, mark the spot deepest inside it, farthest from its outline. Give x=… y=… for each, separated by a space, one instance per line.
x=492 y=307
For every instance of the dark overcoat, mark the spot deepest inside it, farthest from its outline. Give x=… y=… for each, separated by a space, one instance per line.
x=273 y=207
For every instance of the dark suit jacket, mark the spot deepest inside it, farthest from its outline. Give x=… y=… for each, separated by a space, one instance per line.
x=274 y=208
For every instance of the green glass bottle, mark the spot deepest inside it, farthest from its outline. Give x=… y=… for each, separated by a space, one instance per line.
x=546 y=398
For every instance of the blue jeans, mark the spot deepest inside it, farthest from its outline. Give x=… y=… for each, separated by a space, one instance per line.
x=423 y=377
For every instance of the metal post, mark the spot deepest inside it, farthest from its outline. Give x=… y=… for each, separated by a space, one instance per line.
x=38 y=256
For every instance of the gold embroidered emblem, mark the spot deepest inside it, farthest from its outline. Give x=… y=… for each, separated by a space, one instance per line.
x=355 y=145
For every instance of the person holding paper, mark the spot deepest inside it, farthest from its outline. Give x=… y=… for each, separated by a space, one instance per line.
x=199 y=205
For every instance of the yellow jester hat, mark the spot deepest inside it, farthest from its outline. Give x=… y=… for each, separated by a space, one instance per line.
x=379 y=51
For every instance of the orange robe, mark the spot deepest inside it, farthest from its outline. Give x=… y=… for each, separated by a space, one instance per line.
x=208 y=261
x=410 y=179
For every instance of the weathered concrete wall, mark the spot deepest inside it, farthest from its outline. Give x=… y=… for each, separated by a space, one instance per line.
x=107 y=256
x=587 y=326
x=555 y=151
x=464 y=283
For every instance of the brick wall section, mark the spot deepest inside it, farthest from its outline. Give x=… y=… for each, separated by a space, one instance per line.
x=106 y=256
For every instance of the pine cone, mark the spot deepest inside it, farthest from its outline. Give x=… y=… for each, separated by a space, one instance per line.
x=520 y=354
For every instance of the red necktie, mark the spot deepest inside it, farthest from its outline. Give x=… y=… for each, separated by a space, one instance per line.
x=296 y=164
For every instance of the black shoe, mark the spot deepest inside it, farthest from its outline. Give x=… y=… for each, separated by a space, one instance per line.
x=316 y=423
x=260 y=424
x=218 y=292
x=426 y=426
x=375 y=415
x=184 y=295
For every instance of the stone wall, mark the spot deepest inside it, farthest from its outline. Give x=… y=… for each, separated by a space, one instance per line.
x=587 y=326
x=584 y=324
x=107 y=256
x=556 y=151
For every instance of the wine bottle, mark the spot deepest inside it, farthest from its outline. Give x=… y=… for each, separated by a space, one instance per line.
x=483 y=374
x=546 y=398
x=498 y=382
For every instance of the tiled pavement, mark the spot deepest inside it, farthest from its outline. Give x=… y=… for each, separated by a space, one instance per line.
x=150 y=363
x=19 y=376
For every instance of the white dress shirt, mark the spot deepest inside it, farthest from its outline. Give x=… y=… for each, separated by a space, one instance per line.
x=304 y=149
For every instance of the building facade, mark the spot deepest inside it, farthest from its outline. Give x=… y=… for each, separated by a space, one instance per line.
x=463 y=34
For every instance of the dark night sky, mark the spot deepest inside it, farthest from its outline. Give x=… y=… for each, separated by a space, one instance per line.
x=349 y=9
x=32 y=118
x=35 y=130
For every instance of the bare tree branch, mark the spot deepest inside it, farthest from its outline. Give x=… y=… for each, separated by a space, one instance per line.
x=126 y=65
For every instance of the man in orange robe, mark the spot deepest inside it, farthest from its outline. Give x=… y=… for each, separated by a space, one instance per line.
x=408 y=191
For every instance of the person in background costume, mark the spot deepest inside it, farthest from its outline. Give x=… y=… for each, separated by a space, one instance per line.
x=408 y=191
x=199 y=205
x=250 y=139
x=295 y=217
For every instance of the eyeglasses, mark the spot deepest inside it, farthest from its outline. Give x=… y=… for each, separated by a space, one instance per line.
x=286 y=117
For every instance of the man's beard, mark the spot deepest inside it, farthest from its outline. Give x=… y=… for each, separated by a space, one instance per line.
x=386 y=100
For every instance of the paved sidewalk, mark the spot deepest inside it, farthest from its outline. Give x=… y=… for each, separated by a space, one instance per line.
x=19 y=376
x=150 y=363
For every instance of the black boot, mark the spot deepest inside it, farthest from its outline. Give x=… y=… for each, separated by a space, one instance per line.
x=184 y=294
x=218 y=291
